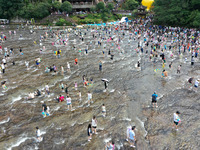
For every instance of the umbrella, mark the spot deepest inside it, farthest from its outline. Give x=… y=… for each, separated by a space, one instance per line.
x=4 y=82
x=106 y=80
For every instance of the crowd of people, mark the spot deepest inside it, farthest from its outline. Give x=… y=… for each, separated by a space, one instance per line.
x=152 y=41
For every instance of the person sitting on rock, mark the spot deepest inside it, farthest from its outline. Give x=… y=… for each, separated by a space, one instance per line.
x=31 y=96
x=37 y=93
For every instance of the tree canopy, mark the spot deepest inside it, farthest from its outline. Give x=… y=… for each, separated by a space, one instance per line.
x=66 y=7
x=100 y=6
x=38 y=11
x=31 y=8
x=8 y=8
x=130 y=4
x=110 y=6
x=56 y=5
x=177 y=12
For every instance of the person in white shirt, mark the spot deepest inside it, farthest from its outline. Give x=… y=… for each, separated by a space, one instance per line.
x=68 y=66
x=4 y=61
x=176 y=119
x=27 y=64
x=47 y=89
x=196 y=84
x=179 y=69
x=31 y=96
x=80 y=95
x=62 y=70
x=94 y=125
x=103 y=110
x=3 y=68
x=38 y=134
x=69 y=102
x=89 y=98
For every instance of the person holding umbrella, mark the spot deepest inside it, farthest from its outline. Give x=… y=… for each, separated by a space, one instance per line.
x=105 y=83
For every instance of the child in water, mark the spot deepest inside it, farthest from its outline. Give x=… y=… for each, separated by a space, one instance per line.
x=103 y=110
x=79 y=93
x=164 y=74
x=75 y=86
x=38 y=134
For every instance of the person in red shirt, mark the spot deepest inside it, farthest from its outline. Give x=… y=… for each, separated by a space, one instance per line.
x=76 y=61
x=61 y=98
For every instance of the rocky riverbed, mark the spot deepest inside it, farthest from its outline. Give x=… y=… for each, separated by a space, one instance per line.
x=127 y=101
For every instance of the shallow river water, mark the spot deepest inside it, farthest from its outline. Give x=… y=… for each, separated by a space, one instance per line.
x=127 y=100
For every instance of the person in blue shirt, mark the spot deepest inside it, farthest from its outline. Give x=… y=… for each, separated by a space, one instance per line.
x=132 y=138
x=154 y=99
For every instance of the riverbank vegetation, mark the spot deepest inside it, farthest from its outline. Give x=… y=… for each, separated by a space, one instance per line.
x=28 y=9
x=184 y=13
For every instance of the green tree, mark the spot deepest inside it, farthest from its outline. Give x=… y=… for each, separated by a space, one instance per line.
x=92 y=9
x=104 y=17
x=130 y=5
x=27 y=11
x=195 y=4
x=110 y=6
x=66 y=7
x=100 y=6
x=42 y=10
x=196 y=22
x=139 y=1
x=177 y=12
x=56 y=5
x=8 y=8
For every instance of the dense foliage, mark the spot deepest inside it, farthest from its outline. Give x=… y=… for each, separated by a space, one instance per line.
x=97 y=18
x=130 y=4
x=167 y=12
x=56 y=5
x=38 y=11
x=66 y=7
x=100 y=6
x=62 y=22
x=8 y=8
x=105 y=11
x=110 y=6
x=177 y=12
x=31 y=8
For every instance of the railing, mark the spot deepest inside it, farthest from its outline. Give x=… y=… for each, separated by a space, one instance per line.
x=122 y=11
x=83 y=3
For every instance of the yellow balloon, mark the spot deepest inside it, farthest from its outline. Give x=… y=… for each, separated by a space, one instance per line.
x=147 y=3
